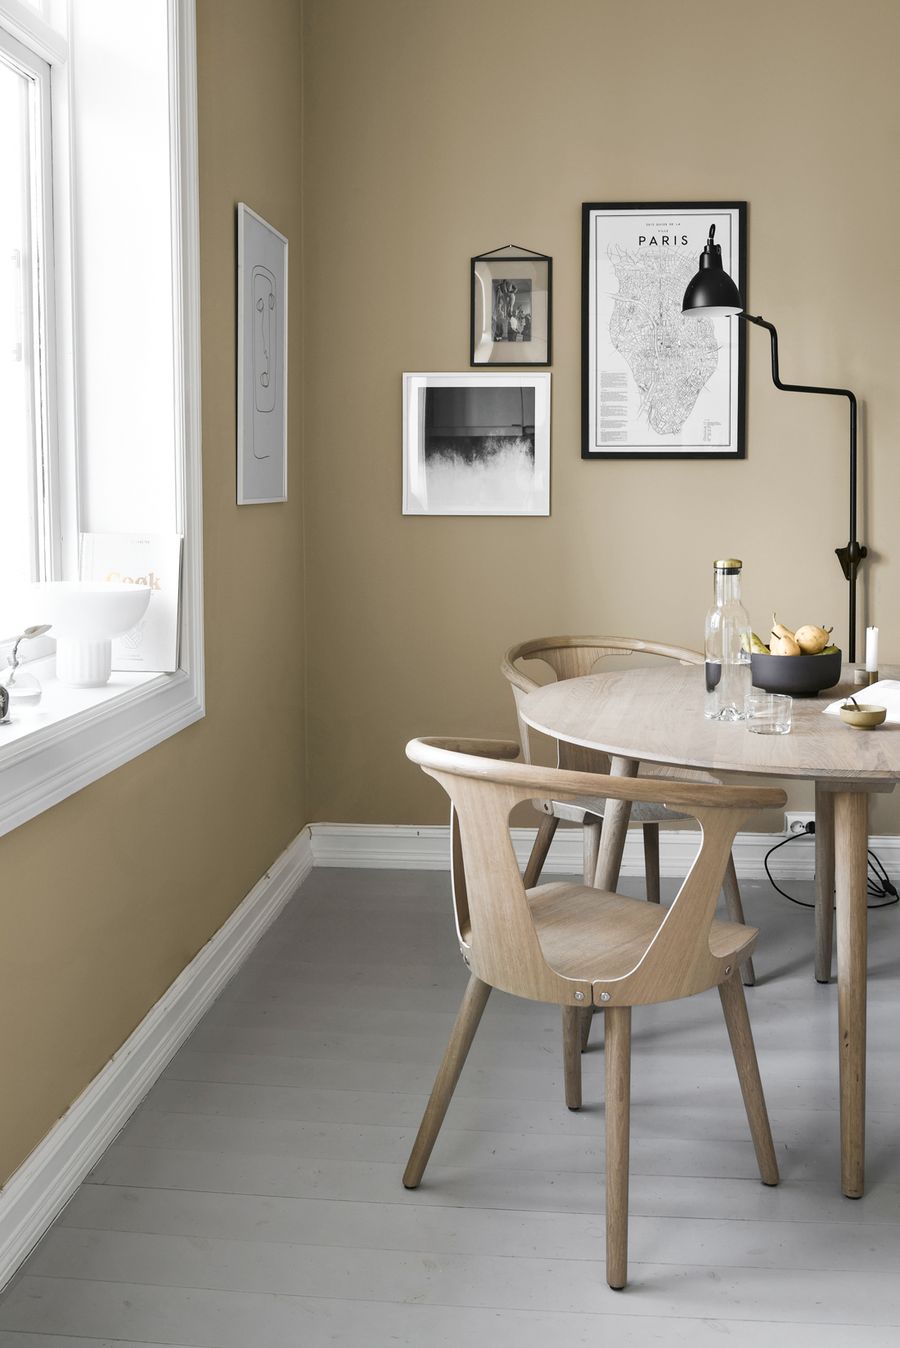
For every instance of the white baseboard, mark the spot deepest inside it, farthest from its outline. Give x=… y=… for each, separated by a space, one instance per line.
x=427 y=847
x=42 y=1186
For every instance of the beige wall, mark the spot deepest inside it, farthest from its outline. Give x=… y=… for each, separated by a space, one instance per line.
x=105 y=898
x=434 y=131
x=437 y=130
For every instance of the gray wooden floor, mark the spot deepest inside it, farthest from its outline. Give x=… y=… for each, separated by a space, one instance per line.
x=254 y=1200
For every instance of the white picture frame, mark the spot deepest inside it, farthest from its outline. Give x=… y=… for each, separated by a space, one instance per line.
x=476 y=443
x=262 y=343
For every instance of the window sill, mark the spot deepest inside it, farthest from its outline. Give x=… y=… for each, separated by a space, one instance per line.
x=76 y=735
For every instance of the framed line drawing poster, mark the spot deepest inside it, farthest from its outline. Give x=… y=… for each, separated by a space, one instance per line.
x=262 y=331
x=656 y=385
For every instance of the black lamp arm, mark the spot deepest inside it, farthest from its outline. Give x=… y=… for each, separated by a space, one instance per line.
x=851 y=555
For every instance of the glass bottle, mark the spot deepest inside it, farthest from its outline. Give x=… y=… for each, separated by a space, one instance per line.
x=727 y=646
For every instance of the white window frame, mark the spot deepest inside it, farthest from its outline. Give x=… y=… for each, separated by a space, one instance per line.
x=43 y=767
x=41 y=313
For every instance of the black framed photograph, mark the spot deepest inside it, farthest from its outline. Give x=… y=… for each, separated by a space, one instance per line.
x=654 y=384
x=511 y=307
x=476 y=444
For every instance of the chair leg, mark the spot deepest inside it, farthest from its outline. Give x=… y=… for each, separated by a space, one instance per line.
x=617 y=1049
x=467 y=1019
x=571 y=1023
x=734 y=1005
x=587 y=1020
x=736 y=914
x=591 y=835
x=544 y=837
x=591 y=832
x=824 y=883
x=651 y=861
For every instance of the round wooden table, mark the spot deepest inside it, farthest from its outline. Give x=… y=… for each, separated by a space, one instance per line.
x=656 y=715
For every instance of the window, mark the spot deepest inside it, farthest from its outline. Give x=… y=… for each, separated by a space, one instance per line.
x=25 y=253
x=99 y=353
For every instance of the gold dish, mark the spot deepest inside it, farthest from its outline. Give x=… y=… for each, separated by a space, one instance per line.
x=861 y=716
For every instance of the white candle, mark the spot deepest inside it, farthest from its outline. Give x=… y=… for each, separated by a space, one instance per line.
x=872 y=649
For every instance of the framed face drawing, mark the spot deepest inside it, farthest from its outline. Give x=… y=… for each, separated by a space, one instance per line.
x=262 y=276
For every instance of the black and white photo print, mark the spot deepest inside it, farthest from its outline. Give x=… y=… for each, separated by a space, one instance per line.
x=511 y=307
x=512 y=310
x=476 y=444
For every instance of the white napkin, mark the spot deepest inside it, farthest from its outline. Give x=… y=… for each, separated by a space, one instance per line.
x=884 y=693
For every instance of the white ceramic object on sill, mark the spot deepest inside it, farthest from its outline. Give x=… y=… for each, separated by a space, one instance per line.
x=84 y=617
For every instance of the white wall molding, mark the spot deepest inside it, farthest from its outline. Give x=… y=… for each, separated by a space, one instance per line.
x=46 y=1181
x=427 y=847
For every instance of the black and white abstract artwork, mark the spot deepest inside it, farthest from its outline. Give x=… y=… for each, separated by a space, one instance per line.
x=476 y=444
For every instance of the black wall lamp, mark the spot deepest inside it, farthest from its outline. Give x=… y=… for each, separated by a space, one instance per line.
x=713 y=294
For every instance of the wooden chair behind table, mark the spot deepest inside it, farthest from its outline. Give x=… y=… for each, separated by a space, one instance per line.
x=571 y=658
x=580 y=947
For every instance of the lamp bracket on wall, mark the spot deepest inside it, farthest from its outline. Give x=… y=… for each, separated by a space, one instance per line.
x=853 y=554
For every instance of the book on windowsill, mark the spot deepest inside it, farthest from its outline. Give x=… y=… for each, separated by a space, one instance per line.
x=141 y=559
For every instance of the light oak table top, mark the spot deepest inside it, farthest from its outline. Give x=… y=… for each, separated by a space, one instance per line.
x=656 y=715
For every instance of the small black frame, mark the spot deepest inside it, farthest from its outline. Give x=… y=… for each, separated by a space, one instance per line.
x=504 y=267
x=689 y=220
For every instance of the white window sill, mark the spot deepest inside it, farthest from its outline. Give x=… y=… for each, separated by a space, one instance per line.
x=59 y=703
x=76 y=735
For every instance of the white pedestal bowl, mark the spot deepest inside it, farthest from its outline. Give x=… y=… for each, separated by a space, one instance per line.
x=84 y=617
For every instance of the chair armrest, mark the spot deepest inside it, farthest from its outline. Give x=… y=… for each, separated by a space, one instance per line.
x=477 y=759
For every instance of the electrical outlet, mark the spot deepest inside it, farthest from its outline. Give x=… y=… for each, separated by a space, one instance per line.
x=796 y=821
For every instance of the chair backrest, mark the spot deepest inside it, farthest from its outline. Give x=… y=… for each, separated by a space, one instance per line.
x=494 y=924
x=571 y=658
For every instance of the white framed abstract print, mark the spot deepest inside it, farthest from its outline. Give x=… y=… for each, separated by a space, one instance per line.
x=262 y=333
x=476 y=444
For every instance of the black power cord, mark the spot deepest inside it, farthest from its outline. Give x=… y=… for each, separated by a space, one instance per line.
x=878 y=882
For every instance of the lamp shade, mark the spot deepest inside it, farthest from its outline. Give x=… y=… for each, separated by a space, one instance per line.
x=711 y=293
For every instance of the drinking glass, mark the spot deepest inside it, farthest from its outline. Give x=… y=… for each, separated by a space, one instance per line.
x=768 y=713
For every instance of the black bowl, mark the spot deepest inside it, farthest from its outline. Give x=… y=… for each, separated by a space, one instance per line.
x=799 y=675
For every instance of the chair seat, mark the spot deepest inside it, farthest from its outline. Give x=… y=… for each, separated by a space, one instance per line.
x=597 y=935
x=641 y=813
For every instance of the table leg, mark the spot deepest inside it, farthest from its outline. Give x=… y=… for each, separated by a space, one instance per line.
x=615 y=827
x=851 y=841
x=824 y=882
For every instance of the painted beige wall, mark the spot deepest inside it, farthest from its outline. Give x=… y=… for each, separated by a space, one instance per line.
x=437 y=130
x=104 y=899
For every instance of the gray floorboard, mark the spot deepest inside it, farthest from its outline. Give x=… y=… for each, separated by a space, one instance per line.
x=254 y=1198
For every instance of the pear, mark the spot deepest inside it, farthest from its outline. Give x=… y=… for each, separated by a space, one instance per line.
x=830 y=650
x=812 y=640
x=783 y=645
x=758 y=646
x=779 y=630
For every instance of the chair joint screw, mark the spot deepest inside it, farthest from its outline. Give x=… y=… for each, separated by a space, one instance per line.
x=604 y=996
x=728 y=968
x=579 y=996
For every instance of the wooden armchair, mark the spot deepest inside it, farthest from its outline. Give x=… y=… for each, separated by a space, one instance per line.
x=571 y=658
x=580 y=947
